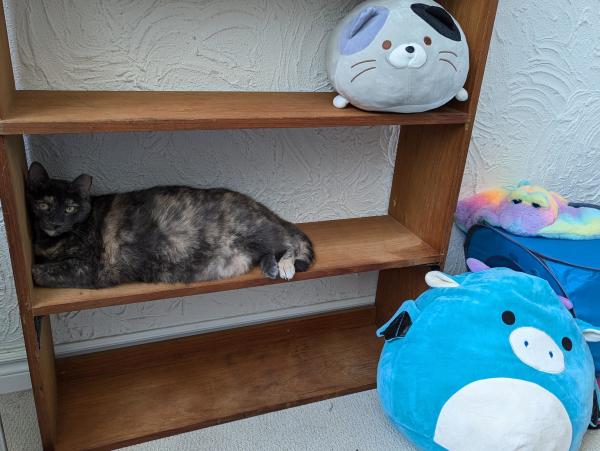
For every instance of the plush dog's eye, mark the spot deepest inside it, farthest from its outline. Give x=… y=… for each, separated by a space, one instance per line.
x=43 y=205
x=508 y=318
x=567 y=343
x=517 y=201
x=536 y=205
x=427 y=40
x=386 y=45
x=70 y=209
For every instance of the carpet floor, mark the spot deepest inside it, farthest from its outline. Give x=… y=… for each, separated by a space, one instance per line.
x=348 y=423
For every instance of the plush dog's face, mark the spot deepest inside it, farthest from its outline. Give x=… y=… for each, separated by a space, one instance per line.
x=398 y=55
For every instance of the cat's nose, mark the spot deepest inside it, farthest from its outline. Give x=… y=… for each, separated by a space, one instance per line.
x=409 y=55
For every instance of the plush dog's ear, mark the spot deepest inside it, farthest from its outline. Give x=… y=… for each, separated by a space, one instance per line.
x=398 y=328
x=401 y=322
x=590 y=333
x=439 y=19
x=437 y=279
x=362 y=29
x=37 y=176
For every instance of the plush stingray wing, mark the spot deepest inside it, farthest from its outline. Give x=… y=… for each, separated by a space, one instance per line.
x=574 y=224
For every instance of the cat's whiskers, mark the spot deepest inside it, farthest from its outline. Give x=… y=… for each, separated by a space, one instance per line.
x=447 y=52
x=362 y=62
x=362 y=72
x=449 y=62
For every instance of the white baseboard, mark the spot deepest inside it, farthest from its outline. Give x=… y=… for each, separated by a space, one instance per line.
x=14 y=374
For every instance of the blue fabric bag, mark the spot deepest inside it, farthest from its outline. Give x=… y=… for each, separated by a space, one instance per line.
x=571 y=267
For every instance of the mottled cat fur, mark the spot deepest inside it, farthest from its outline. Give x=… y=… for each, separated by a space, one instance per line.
x=162 y=234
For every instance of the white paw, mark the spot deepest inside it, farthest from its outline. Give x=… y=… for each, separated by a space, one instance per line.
x=462 y=95
x=286 y=268
x=340 y=102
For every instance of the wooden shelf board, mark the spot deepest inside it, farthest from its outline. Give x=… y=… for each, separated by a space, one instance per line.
x=341 y=246
x=39 y=112
x=125 y=396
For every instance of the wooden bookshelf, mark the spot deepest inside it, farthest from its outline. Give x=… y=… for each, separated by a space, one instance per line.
x=125 y=396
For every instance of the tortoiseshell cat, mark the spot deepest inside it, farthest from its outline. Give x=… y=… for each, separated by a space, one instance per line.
x=162 y=234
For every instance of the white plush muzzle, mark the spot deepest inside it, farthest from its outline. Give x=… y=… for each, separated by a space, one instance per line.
x=410 y=55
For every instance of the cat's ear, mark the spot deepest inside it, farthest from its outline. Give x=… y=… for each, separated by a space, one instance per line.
x=82 y=185
x=37 y=176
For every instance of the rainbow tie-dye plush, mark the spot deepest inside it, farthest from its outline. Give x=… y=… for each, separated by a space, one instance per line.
x=529 y=210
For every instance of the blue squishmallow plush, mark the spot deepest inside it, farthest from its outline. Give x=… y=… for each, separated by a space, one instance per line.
x=490 y=360
x=400 y=56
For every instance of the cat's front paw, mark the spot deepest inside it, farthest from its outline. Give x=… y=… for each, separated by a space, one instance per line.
x=286 y=268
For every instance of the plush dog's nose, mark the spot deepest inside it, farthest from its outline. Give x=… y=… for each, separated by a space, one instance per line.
x=410 y=49
x=537 y=349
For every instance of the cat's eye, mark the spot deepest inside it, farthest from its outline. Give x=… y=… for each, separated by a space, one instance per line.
x=536 y=205
x=517 y=201
x=70 y=209
x=386 y=45
x=43 y=206
x=427 y=40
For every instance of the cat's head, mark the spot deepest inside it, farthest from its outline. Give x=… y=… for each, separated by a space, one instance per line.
x=57 y=205
x=398 y=55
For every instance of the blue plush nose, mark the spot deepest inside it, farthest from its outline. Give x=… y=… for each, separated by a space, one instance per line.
x=410 y=49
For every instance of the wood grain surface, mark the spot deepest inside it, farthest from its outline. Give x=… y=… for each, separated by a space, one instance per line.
x=35 y=112
x=125 y=396
x=40 y=354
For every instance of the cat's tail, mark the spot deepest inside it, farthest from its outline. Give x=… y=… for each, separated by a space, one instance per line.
x=303 y=250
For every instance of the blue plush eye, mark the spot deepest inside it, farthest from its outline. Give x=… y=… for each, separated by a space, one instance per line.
x=567 y=343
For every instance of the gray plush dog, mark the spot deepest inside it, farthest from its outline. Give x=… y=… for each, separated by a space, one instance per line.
x=398 y=56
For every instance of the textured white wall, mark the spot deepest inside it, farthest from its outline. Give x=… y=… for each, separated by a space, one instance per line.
x=537 y=119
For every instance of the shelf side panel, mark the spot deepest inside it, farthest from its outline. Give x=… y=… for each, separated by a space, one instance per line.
x=7 y=81
x=430 y=165
x=40 y=351
x=476 y=17
x=431 y=160
x=396 y=286
x=429 y=168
